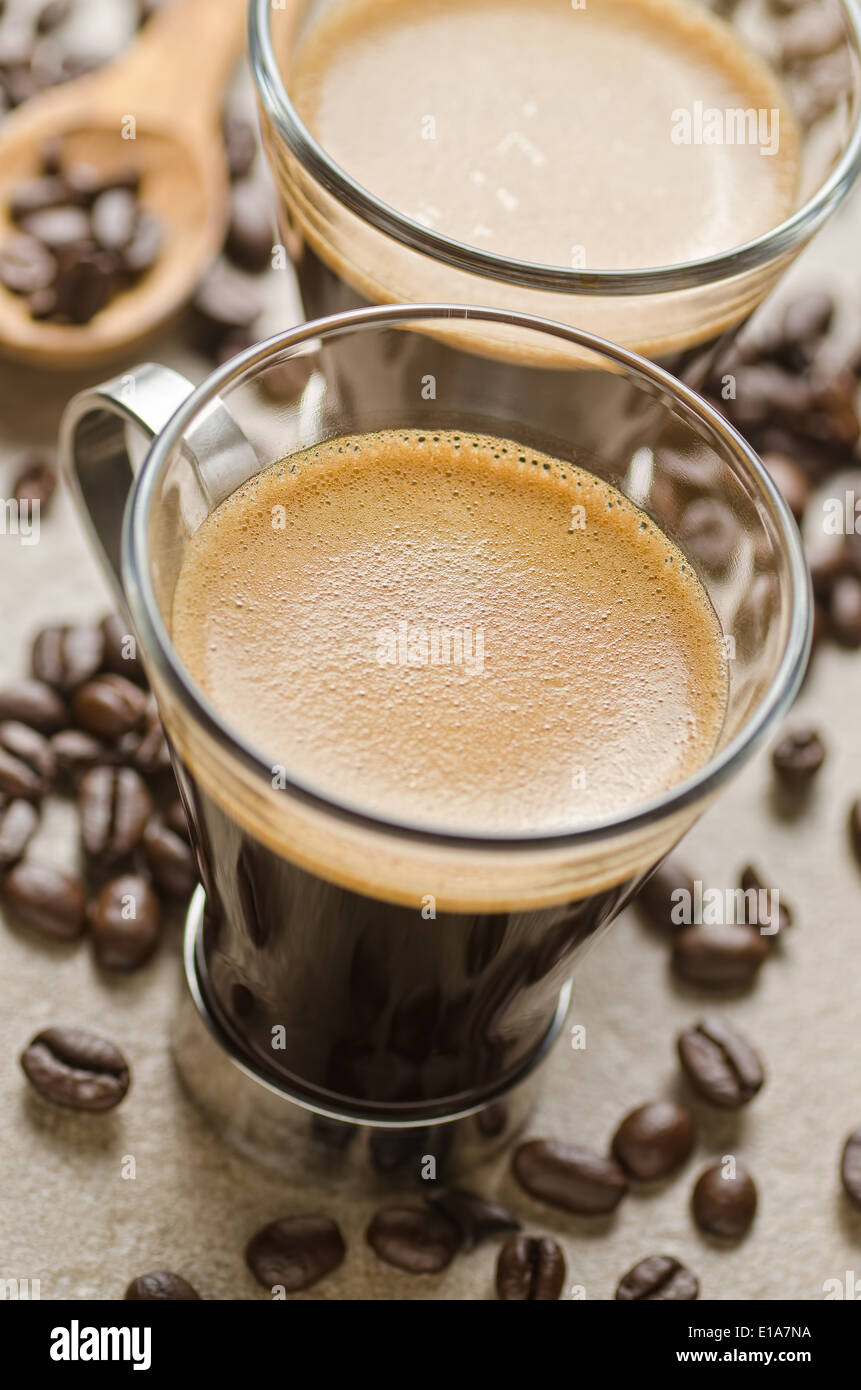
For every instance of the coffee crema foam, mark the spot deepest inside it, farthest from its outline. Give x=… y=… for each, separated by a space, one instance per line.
x=550 y=132
x=451 y=630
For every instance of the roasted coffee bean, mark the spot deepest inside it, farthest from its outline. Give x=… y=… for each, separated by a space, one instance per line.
x=114 y=218
x=37 y=482
x=161 y=1286
x=65 y=657
x=18 y=822
x=120 y=649
x=475 y=1217
x=831 y=420
x=109 y=706
x=790 y=479
x=114 y=806
x=751 y=881
x=43 y=304
x=844 y=611
x=654 y=1140
x=170 y=860
x=77 y=752
x=146 y=748
x=58 y=227
x=52 y=15
x=46 y=899
x=249 y=234
x=708 y=533
x=142 y=252
x=36 y=195
x=27 y=763
x=766 y=392
x=235 y=342
x=226 y=299
x=810 y=33
x=797 y=758
x=75 y=1068
x=719 y=955
x=530 y=1268
x=33 y=703
x=850 y=1167
x=176 y=820
x=295 y=1252
x=720 y=1064
x=415 y=1239
x=285 y=381
x=825 y=555
x=658 y=1279
x=656 y=895
x=26 y=265
x=806 y=321
x=855 y=829
x=125 y=923
x=724 y=1204
x=569 y=1177
x=240 y=145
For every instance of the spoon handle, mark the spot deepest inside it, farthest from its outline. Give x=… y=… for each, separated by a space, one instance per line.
x=177 y=69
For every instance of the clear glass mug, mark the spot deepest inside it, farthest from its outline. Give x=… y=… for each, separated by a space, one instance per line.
x=350 y=248
x=422 y=1036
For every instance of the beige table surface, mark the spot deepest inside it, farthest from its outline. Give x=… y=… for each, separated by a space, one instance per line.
x=70 y=1219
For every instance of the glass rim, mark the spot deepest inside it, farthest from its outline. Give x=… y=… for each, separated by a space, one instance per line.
x=162 y=655
x=768 y=246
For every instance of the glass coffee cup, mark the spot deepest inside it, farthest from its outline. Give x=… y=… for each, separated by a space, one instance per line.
x=405 y=1036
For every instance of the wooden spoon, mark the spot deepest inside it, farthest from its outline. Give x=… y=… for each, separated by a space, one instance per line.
x=165 y=89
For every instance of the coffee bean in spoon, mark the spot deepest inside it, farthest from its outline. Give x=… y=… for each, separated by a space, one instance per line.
x=142 y=252
x=850 y=1167
x=296 y=1252
x=46 y=899
x=161 y=1286
x=114 y=218
x=530 y=1269
x=797 y=758
x=654 y=1140
x=18 y=823
x=33 y=703
x=719 y=956
x=74 y=1068
x=417 y=1240
x=724 y=1201
x=36 y=195
x=720 y=1064
x=125 y=923
x=566 y=1176
x=658 y=1279
x=26 y=265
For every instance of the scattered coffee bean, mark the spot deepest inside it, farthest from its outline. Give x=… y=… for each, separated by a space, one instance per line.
x=806 y=321
x=18 y=822
x=855 y=829
x=226 y=300
x=161 y=1286
x=77 y=1069
x=530 y=1268
x=850 y=1167
x=170 y=860
x=845 y=611
x=120 y=649
x=77 y=752
x=125 y=923
x=569 y=1177
x=656 y=895
x=249 y=235
x=109 y=706
x=33 y=703
x=240 y=145
x=709 y=534
x=658 y=1279
x=147 y=747
x=114 y=806
x=654 y=1140
x=720 y=1064
x=26 y=265
x=27 y=763
x=295 y=1252
x=285 y=381
x=797 y=758
x=751 y=881
x=415 y=1239
x=46 y=899
x=719 y=955
x=37 y=482
x=476 y=1217
x=791 y=481
x=65 y=657
x=724 y=1205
